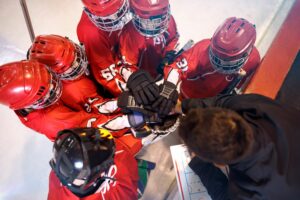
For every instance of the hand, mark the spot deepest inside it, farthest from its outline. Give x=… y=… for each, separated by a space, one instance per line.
x=143 y=87
x=128 y=104
x=167 y=99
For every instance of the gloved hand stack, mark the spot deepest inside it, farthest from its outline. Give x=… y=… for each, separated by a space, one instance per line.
x=148 y=106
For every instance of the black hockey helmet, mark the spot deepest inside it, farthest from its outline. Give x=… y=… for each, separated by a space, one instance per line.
x=80 y=157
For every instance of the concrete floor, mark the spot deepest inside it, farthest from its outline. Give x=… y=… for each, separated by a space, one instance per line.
x=24 y=154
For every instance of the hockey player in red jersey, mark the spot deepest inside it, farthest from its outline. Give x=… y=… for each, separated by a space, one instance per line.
x=34 y=93
x=89 y=164
x=211 y=65
x=68 y=60
x=99 y=29
x=150 y=35
x=144 y=42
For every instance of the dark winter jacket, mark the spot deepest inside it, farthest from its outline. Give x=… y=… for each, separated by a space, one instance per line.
x=272 y=170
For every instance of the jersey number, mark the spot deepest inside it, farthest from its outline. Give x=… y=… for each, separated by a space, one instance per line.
x=183 y=65
x=109 y=73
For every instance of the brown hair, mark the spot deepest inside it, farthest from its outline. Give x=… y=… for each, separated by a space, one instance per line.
x=216 y=134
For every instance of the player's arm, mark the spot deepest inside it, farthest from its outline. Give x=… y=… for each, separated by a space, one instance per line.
x=169 y=90
x=104 y=63
x=173 y=37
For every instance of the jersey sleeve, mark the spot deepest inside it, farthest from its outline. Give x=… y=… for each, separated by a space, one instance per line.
x=187 y=63
x=50 y=121
x=77 y=92
x=177 y=70
x=100 y=48
x=117 y=124
x=173 y=36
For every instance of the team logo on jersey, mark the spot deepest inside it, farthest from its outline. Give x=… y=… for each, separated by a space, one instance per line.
x=110 y=181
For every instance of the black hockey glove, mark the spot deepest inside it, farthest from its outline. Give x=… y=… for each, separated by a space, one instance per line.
x=128 y=104
x=167 y=99
x=168 y=59
x=143 y=87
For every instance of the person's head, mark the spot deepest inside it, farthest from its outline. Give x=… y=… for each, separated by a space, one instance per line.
x=28 y=84
x=150 y=17
x=108 y=15
x=231 y=45
x=217 y=135
x=81 y=156
x=67 y=59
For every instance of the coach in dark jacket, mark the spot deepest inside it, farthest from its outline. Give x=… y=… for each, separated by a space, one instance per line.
x=258 y=139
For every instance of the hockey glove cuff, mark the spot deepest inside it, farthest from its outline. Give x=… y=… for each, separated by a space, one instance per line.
x=128 y=104
x=167 y=99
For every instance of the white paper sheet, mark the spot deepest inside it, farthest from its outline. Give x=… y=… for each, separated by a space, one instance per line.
x=189 y=184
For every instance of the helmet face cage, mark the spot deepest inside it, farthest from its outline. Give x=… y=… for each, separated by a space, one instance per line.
x=152 y=26
x=227 y=66
x=54 y=93
x=112 y=22
x=78 y=67
x=73 y=164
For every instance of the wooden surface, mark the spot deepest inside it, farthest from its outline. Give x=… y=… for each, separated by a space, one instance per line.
x=279 y=57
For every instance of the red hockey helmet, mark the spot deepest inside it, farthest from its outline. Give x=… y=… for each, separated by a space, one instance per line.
x=28 y=84
x=67 y=59
x=150 y=17
x=231 y=45
x=108 y=15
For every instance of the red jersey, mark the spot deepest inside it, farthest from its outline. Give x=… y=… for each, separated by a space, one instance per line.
x=147 y=52
x=124 y=171
x=76 y=93
x=197 y=76
x=50 y=120
x=101 y=49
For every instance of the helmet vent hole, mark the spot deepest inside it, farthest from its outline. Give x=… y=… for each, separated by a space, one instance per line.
x=41 y=90
x=242 y=24
x=233 y=21
x=229 y=27
x=238 y=30
x=42 y=42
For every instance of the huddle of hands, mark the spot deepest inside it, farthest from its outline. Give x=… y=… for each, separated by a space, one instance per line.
x=146 y=97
